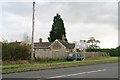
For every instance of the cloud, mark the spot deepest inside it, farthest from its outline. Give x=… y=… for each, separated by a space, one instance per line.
x=101 y=13
x=17 y=8
x=14 y=26
x=80 y=12
x=82 y=20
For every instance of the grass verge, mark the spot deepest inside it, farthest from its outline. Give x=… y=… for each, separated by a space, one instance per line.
x=55 y=64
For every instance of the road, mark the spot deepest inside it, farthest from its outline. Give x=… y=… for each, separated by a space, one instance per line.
x=91 y=71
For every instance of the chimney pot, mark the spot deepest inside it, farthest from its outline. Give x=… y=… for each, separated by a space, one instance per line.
x=40 y=40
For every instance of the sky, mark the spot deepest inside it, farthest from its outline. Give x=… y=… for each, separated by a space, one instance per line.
x=81 y=20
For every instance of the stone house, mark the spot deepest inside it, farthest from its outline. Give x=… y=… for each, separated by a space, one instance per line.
x=56 y=49
x=56 y=45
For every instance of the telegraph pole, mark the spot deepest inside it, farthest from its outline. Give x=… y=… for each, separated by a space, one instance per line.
x=33 y=22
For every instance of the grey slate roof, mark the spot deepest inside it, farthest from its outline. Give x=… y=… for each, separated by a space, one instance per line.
x=43 y=45
x=67 y=45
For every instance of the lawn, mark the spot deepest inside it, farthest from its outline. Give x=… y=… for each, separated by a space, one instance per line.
x=37 y=65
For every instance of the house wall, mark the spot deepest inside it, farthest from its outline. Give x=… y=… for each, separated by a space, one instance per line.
x=56 y=45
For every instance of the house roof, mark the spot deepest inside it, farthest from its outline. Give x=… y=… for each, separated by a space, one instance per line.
x=71 y=45
x=67 y=45
x=43 y=45
x=46 y=45
x=20 y=43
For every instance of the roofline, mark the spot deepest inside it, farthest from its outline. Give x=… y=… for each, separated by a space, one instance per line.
x=59 y=42
x=41 y=48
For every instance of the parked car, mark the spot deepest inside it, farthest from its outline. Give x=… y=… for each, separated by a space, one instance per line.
x=75 y=57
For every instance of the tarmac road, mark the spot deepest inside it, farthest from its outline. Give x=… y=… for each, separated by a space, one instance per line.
x=109 y=70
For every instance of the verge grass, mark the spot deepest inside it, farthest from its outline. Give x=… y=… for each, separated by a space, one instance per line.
x=37 y=65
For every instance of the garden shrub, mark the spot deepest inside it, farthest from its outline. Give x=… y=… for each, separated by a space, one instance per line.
x=15 y=51
x=111 y=52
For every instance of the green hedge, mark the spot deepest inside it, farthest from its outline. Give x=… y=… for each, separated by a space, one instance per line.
x=15 y=51
x=111 y=52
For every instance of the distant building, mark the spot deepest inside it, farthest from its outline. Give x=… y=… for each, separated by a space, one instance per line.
x=20 y=42
x=81 y=45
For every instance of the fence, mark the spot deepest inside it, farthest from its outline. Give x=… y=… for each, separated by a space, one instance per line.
x=62 y=54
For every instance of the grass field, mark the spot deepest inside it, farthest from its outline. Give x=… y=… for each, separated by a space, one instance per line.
x=37 y=65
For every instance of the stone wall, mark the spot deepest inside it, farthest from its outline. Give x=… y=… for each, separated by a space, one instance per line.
x=94 y=54
x=62 y=54
x=50 y=54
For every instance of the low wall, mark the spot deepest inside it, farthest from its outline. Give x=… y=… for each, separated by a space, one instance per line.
x=62 y=54
x=94 y=54
x=50 y=54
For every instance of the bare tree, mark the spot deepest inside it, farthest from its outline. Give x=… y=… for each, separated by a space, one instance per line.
x=92 y=43
x=4 y=40
x=26 y=38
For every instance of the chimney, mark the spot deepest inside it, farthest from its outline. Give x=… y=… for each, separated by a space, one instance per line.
x=16 y=41
x=40 y=40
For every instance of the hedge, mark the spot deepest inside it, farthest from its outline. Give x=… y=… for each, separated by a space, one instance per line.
x=111 y=52
x=15 y=51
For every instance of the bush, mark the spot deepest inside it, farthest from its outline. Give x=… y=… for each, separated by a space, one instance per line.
x=15 y=51
x=111 y=52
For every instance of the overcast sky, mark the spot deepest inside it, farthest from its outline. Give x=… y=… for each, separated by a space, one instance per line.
x=81 y=19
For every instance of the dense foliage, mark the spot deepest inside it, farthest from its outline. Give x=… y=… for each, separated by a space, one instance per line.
x=111 y=52
x=15 y=51
x=58 y=29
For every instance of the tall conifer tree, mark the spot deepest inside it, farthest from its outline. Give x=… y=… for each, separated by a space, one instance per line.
x=58 y=29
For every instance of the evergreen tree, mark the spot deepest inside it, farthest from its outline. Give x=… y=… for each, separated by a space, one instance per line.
x=58 y=29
